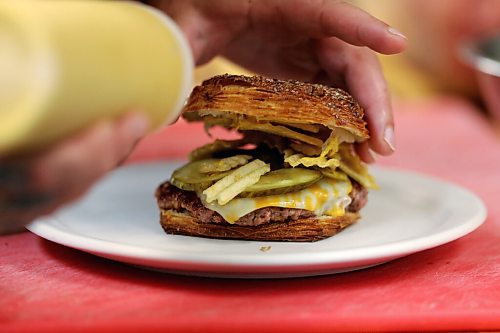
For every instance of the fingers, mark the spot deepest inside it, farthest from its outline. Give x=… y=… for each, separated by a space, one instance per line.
x=37 y=185
x=82 y=159
x=211 y=25
x=365 y=153
x=364 y=79
x=327 y=18
x=207 y=25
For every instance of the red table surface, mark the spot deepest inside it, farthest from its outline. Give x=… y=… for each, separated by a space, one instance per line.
x=46 y=287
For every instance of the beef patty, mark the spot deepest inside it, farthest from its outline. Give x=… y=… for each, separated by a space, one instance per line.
x=170 y=197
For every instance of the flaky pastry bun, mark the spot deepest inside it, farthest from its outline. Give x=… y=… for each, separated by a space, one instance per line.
x=273 y=100
x=302 y=230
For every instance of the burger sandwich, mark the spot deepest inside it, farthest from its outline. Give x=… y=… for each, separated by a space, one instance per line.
x=292 y=175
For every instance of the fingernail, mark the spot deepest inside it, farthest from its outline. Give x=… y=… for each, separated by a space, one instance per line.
x=389 y=137
x=396 y=32
x=137 y=124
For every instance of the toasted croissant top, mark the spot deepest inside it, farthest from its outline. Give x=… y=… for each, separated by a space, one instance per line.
x=275 y=100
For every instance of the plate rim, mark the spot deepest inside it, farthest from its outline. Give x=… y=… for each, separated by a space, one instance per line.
x=45 y=228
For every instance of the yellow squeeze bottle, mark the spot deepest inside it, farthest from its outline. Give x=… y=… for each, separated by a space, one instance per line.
x=66 y=64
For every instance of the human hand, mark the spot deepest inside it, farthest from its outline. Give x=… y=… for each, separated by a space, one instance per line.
x=316 y=41
x=35 y=185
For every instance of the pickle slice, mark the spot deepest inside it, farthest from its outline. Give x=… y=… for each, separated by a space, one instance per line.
x=190 y=178
x=224 y=164
x=196 y=187
x=282 y=181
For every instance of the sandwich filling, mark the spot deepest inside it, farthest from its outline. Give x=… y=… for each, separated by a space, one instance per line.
x=171 y=198
x=275 y=172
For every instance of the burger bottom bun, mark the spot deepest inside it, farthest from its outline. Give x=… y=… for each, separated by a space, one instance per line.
x=302 y=230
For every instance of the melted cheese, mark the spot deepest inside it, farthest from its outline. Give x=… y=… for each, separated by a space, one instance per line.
x=326 y=197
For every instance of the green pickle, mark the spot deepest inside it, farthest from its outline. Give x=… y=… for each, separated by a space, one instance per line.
x=282 y=181
x=190 y=178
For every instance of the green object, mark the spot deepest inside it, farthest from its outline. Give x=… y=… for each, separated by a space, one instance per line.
x=282 y=181
x=190 y=178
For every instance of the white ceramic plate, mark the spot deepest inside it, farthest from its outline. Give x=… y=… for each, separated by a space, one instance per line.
x=118 y=219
